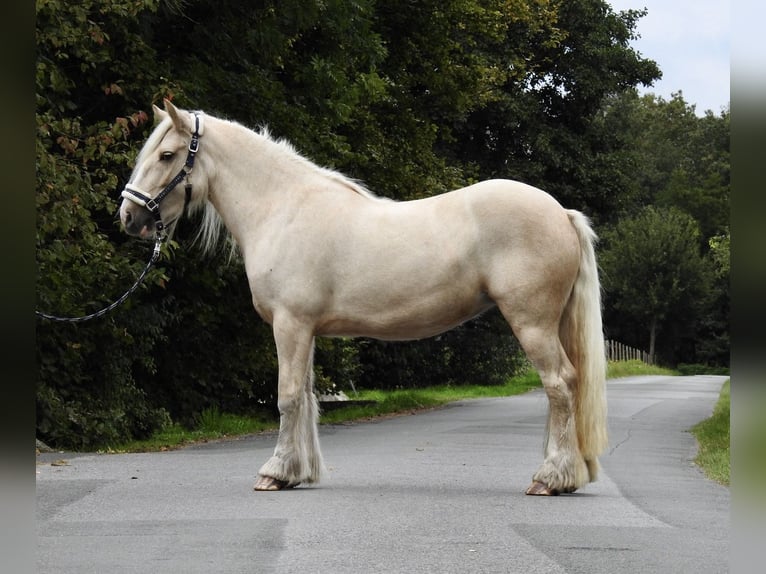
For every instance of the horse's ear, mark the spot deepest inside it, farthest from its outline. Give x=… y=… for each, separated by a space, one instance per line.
x=175 y=115
x=159 y=114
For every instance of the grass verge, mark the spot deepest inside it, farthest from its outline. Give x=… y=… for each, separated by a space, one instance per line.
x=713 y=436
x=214 y=425
x=210 y=424
x=411 y=400
x=617 y=369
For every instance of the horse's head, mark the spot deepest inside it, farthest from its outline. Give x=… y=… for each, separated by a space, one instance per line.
x=158 y=191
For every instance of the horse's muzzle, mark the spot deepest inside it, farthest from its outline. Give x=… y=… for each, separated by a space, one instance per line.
x=137 y=221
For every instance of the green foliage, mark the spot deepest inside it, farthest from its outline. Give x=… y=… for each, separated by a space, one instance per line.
x=89 y=390
x=720 y=253
x=482 y=351
x=212 y=422
x=337 y=365
x=674 y=160
x=655 y=279
x=617 y=369
x=544 y=125
x=412 y=98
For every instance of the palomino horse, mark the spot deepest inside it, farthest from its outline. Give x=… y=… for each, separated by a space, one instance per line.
x=325 y=257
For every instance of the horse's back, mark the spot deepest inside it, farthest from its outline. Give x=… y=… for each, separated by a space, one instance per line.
x=485 y=207
x=513 y=201
x=429 y=264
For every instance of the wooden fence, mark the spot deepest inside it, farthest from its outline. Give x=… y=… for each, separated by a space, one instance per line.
x=616 y=351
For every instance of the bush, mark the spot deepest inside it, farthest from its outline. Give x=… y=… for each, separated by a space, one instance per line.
x=699 y=369
x=481 y=352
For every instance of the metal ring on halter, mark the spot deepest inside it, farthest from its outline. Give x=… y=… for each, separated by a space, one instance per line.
x=140 y=197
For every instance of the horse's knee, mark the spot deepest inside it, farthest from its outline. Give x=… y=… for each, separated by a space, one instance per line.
x=559 y=393
x=287 y=407
x=289 y=402
x=301 y=404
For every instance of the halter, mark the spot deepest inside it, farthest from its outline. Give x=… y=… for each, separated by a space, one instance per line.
x=140 y=197
x=143 y=199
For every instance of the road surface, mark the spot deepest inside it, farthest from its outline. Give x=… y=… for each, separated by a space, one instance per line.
x=437 y=492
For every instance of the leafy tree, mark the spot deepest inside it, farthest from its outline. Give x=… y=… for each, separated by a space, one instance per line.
x=412 y=98
x=713 y=341
x=89 y=389
x=699 y=182
x=656 y=281
x=659 y=152
x=543 y=128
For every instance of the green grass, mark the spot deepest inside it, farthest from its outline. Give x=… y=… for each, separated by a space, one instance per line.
x=411 y=400
x=617 y=369
x=213 y=425
x=714 y=439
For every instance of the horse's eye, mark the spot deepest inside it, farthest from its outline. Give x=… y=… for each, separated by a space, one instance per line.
x=166 y=155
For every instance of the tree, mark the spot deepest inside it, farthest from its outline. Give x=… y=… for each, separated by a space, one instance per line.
x=655 y=279
x=713 y=342
x=414 y=98
x=543 y=126
x=89 y=391
x=658 y=152
x=699 y=180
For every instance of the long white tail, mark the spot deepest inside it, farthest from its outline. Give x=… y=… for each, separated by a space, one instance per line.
x=582 y=336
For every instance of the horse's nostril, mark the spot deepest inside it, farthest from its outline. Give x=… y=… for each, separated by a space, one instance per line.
x=128 y=217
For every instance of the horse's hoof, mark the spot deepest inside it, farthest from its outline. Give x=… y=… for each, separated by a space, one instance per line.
x=538 y=488
x=271 y=483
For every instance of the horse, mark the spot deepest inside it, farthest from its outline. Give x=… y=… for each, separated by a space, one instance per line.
x=325 y=257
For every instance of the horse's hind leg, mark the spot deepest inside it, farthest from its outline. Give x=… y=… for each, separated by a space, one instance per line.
x=563 y=469
x=297 y=457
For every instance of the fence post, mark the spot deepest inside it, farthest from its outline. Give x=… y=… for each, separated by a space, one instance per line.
x=616 y=351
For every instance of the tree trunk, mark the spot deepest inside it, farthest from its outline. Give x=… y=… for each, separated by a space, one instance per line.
x=652 y=339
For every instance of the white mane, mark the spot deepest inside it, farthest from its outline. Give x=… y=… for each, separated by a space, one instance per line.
x=332 y=174
x=213 y=233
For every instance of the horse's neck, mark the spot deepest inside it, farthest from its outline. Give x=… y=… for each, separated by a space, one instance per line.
x=254 y=178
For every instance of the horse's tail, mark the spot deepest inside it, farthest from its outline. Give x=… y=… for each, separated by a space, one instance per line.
x=582 y=336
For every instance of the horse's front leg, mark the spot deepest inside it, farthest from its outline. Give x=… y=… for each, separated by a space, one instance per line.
x=297 y=457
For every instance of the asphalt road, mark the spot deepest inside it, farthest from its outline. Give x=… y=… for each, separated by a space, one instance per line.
x=438 y=492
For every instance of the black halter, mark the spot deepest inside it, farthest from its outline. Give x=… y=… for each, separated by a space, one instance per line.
x=143 y=199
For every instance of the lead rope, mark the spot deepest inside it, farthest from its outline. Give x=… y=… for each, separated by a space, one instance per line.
x=135 y=195
x=155 y=256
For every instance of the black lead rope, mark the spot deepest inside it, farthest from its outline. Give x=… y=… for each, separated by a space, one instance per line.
x=105 y=310
x=153 y=205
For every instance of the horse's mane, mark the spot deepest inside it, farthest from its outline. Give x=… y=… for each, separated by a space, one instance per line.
x=295 y=156
x=212 y=234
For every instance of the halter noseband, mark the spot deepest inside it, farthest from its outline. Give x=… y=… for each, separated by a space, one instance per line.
x=140 y=197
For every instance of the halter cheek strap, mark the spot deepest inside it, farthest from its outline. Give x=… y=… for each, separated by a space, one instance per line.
x=140 y=197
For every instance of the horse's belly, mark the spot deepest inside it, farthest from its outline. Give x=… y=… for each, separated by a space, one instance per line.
x=415 y=318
